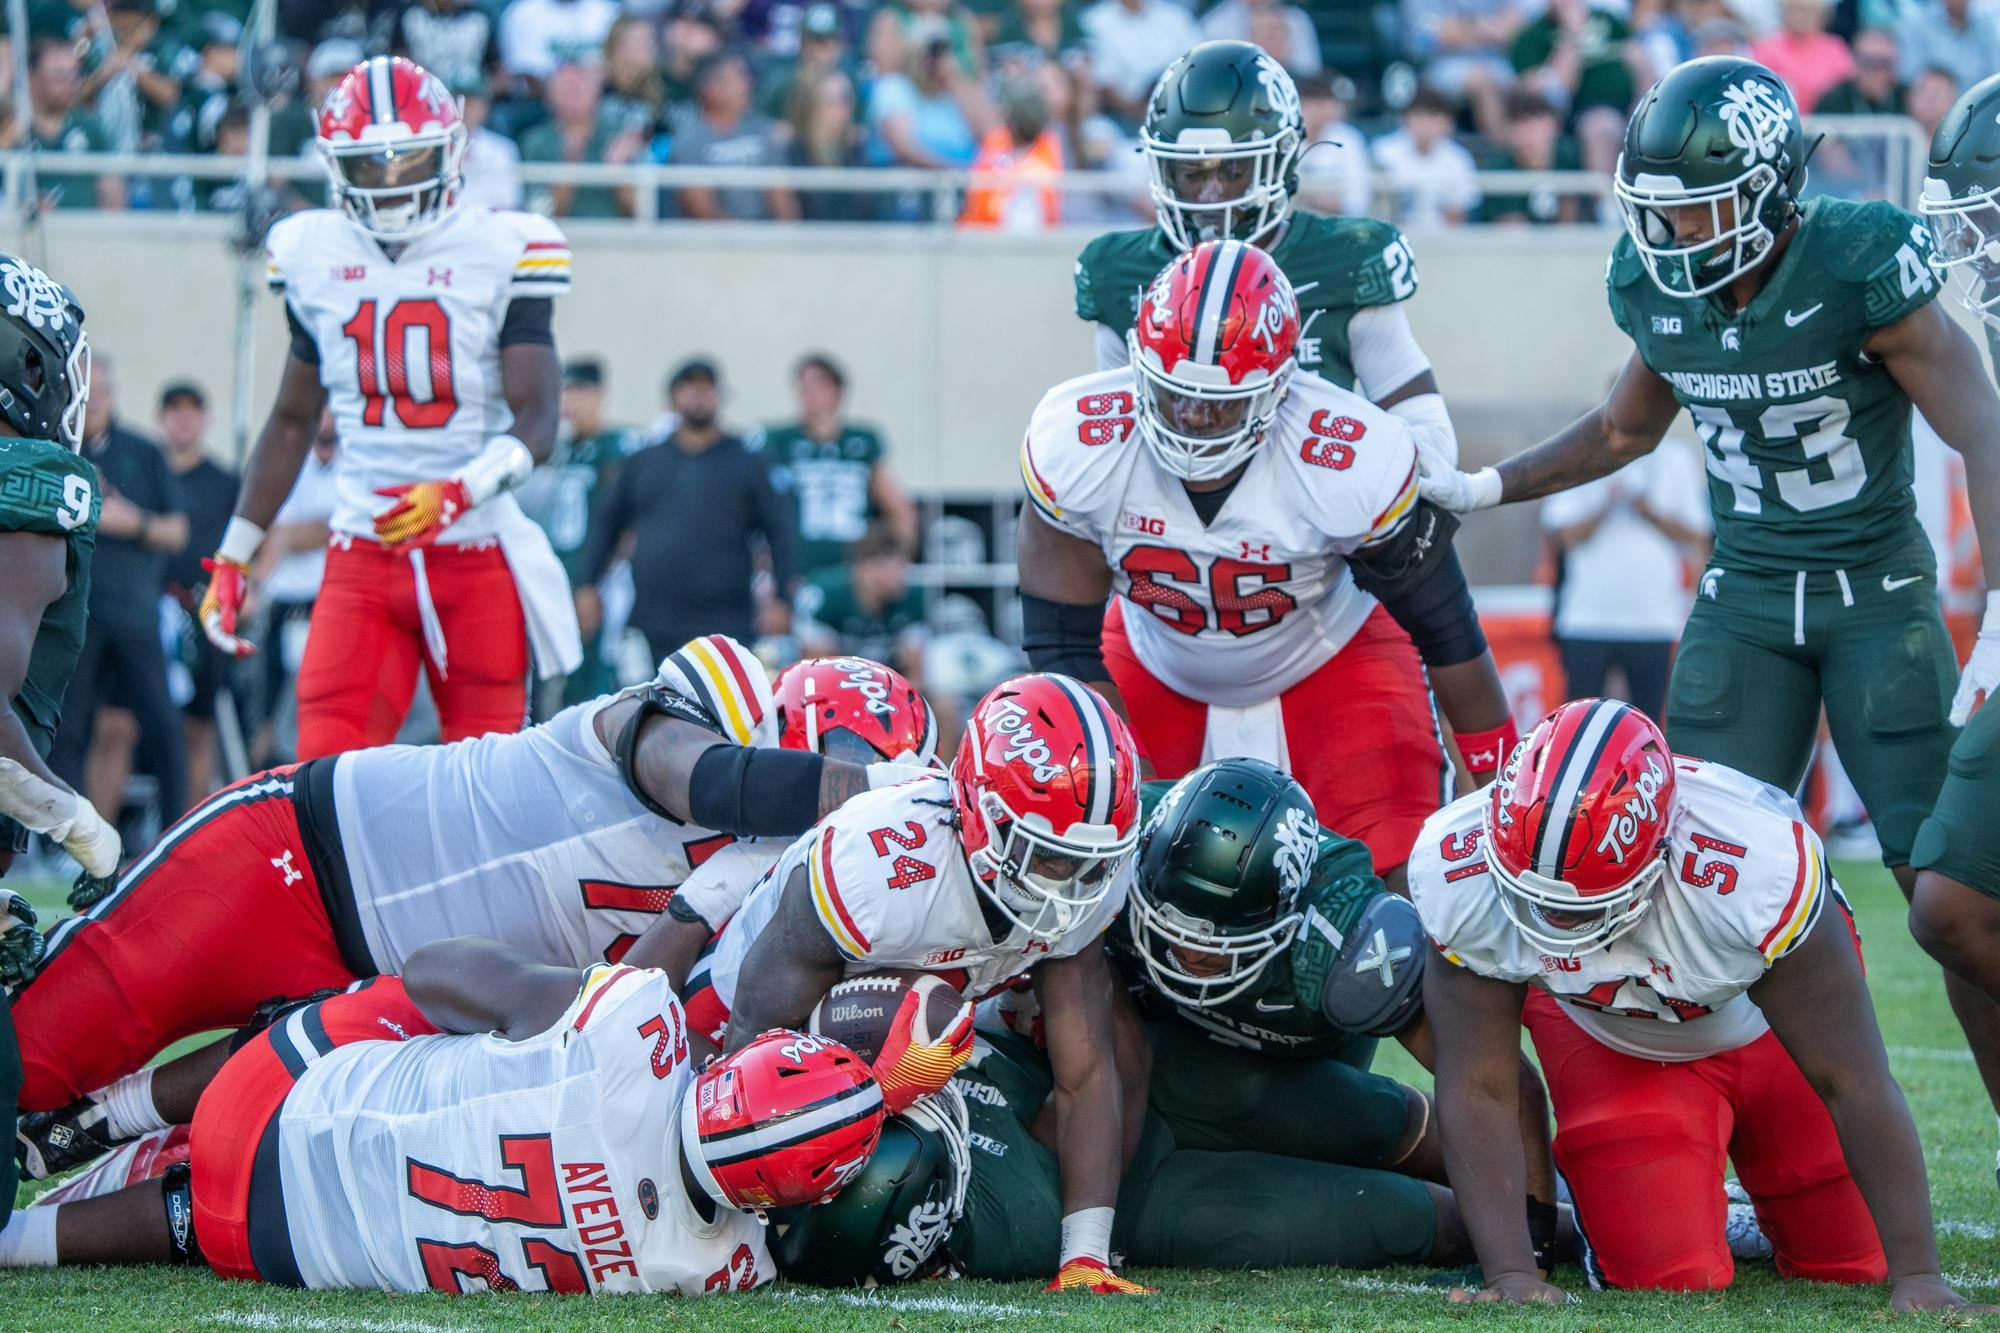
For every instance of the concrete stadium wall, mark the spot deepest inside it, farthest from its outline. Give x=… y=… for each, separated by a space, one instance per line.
x=950 y=338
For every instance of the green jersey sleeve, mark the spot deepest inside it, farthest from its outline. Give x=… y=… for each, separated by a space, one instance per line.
x=1086 y=290
x=1348 y=262
x=1885 y=252
x=1620 y=272
x=1358 y=956
x=46 y=488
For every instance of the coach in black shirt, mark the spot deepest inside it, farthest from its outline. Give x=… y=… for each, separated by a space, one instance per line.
x=123 y=663
x=694 y=507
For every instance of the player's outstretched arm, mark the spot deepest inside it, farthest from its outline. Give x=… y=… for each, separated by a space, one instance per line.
x=1476 y=1023
x=470 y=984
x=1064 y=584
x=1536 y=1141
x=1816 y=1001
x=531 y=378
x=1939 y=367
x=1630 y=422
x=790 y=968
x=1076 y=998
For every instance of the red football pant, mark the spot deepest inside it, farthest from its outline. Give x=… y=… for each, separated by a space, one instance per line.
x=367 y=638
x=1643 y=1144
x=1359 y=733
x=218 y=916
x=231 y=1119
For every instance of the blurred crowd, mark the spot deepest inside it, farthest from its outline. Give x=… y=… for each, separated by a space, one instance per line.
x=1404 y=100
x=794 y=535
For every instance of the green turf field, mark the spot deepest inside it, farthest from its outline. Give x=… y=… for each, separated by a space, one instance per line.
x=1926 y=1050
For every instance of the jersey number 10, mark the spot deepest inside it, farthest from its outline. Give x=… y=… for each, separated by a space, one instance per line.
x=386 y=374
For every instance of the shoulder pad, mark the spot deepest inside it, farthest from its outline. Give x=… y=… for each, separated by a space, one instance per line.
x=36 y=493
x=1353 y=261
x=852 y=883
x=1109 y=273
x=1080 y=441
x=1357 y=462
x=283 y=243
x=1621 y=272
x=606 y=987
x=730 y=685
x=1375 y=983
x=1750 y=839
x=1887 y=253
x=540 y=253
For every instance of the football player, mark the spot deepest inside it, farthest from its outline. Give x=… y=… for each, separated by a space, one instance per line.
x=1223 y=138
x=1798 y=335
x=49 y=501
x=1670 y=932
x=351 y=1145
x=425 y=325
x=564 y=841
x=1248 y=519
x=962 y=1183
x=1954 y=912
x=1004 y=867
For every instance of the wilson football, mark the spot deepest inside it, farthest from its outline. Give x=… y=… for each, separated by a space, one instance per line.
x=858 y=1012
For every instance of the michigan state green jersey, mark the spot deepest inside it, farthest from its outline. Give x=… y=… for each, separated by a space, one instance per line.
x=47 y=489
x=562 y=494
x=1806 y=439
x=1280 y=1014
x=831 y=480
x=1336 y=265
x=1012 y=1226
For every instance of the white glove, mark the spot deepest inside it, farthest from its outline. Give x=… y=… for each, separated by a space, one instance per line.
x=1982 y=669
x=894 y=773
x=1461 y=492
x=63 y=815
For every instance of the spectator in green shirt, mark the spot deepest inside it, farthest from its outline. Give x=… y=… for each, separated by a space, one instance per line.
x=836 y=468
x=866 y=608
x=56 y=125
x=1580 y=57
x=577 y=131
x=1531 y=140
x=1873 y=90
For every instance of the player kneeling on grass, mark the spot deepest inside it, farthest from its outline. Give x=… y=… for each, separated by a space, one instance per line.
x=564 y=841
x=566 y=1141
x=1693 y=986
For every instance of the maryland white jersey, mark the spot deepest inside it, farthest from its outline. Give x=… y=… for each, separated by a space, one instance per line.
x=1239 y=610
x=892 y=887
x=462 y=1163
x=409 y=349
x=1746 y=881
x=531 y=838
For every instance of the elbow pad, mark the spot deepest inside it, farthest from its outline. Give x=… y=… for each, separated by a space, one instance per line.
x=1431 y=430
x=751 y=792
x=1063 y=637
x=1376 y=982
x=1416 y=576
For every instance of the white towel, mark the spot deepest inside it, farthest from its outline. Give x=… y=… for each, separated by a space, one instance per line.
x=1252 y=731
x=546 y=601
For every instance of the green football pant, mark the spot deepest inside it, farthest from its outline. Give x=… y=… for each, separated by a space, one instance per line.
x=10 y=1099
x=1763 y=651
x=1961 y=839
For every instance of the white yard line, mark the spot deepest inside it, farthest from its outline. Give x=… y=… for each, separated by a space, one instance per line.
x=1976 y=1230
x=322 y=1324
x=914 y=1304
x=1385 y=1286
x=1953 y=1054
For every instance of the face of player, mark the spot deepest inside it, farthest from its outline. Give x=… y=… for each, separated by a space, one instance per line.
x=1211 y=180
x=1203 y=418
x=1199 y=962
x=389 y=168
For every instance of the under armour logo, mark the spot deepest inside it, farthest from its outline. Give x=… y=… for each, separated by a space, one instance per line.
x=283 y=864
x=1256 y=551
x=1382 y=959
x=437 y=277
x=1710 y=581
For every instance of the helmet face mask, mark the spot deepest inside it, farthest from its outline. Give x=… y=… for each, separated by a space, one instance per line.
x=1222 y=137
x=1967 y=235
x=393 y=146
x=1197 y=962
x=1696 y=241
x=1039 y=881
x=44 y=355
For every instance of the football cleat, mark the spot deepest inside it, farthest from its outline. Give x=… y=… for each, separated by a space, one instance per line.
x=48 y=1143
x=1742 y=1229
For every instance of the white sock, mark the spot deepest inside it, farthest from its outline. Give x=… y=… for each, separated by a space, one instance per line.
x=29 y=1238
x=128 y=1106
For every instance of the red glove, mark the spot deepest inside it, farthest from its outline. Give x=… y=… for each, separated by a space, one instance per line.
x=907 y=1069
x=1096 y=1278
x=422 y=510
x=222 y=603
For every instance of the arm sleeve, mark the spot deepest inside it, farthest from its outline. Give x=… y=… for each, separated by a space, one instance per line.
x=303 y=346
x=1416 y=576
x=1111 y=350
x=529 y=320
x=1384 y=351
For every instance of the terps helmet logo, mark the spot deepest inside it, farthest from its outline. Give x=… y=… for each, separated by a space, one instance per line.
x=1011 y=720
x=338 y=103
x=856 y=674
x=433 y=93
x=1160 y=299
x=1279 y=308
x=1622 y=830
x=1757 y=119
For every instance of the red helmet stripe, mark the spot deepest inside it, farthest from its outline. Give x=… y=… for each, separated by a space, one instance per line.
x=858 y=1102
x=1100 y=778
x=1572 y=772
x=1220 y=282
x=381 y=91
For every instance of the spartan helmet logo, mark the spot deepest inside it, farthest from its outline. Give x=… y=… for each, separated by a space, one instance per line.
x=1757 y=119
x=1279 y=89
x=32 y=295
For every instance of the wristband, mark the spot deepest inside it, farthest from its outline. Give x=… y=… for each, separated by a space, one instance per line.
x=1485 y=751
x=240 y=541
x=502 y=465
x=1086 y=1234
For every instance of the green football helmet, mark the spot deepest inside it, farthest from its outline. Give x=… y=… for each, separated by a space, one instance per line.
x=893 y=1222
x=1222 y=137
x=1220 y=870
x=1962 y=198
x=1712 y=169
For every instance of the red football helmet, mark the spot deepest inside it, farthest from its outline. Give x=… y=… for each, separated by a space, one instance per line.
x=1047 y=791
x=1213 y=350
x=1576 y=826
x=393 y=144
x=854 y=709
x=787 y=1120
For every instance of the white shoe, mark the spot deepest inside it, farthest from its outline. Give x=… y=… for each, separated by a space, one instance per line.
x=1745 y=1235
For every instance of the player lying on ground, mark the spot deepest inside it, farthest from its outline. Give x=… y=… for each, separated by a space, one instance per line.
x=564 y=841
x=1799 y=335
x=565 y=1142
x=1244 y=520
x=49 y=503
x=1693 y=985
x=1007 y=866
x=968 y=1184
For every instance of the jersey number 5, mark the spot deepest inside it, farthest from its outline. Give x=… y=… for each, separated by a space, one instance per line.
x=394 y=362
